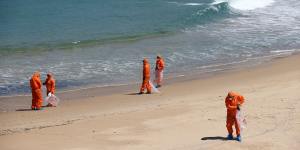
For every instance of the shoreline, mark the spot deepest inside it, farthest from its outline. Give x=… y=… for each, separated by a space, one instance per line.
x=200 y=71
x=15 y=102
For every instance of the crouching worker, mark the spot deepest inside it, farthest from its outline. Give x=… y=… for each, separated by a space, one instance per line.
x=233 y=103
x=36 y=90
x=146 y=77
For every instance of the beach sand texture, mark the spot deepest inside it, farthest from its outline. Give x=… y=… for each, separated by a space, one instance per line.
x=187 y=115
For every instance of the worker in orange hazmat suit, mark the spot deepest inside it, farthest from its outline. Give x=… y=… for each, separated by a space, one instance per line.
x=50 y=84
x=233 y=103
x=36 y=89
x=146 y=77
x=160 y=65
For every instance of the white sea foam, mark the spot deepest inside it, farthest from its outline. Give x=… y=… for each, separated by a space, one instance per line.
x=173 y=2
x=245 y=4
x=192 y=4
x=218 y=2
x=284 y=51
x=186 y=4
x=76 y=42
x=249 y=4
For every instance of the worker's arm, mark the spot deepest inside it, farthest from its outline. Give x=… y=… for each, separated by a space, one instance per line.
x=241 y=100
x=230 y=107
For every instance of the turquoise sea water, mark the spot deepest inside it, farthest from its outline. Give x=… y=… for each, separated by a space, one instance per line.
x=36 y=23
x=102 y=42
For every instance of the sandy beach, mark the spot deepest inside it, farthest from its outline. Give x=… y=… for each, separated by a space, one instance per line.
x=187 y=115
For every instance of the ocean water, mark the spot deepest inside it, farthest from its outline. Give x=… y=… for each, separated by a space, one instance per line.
x=102 y=42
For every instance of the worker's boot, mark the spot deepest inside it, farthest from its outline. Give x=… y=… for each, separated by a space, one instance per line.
x=239 y=138
x=229 y=137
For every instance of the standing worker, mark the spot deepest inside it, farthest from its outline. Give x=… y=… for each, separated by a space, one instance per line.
x=36 y=89
x=160 y=65
x=50 y=84
x=146 y=77
x=233 y=102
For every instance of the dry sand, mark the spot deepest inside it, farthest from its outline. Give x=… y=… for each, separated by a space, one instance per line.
x=187 y=115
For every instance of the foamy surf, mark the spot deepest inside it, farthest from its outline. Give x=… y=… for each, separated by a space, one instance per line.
x=185 y=4
x=218 y=2
x=192 y=4
x=249 y=4
x=245 y=4
x=75 y=42
x=284 y=51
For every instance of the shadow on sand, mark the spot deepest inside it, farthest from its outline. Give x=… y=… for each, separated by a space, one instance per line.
x=214 y=138
x=29 y=109
x=133 y=94
x=24 y=109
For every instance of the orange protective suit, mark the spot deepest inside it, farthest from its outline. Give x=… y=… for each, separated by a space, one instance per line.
x=160 y=65
x=36 y=89
x=146 y=77
x=233 y=101
x=50 y=84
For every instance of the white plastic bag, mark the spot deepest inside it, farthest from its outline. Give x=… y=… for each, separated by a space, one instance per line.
x=154 y=89
x=52 y=100
x=241 y=120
